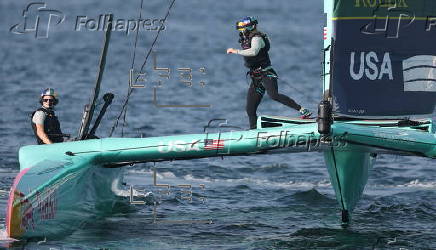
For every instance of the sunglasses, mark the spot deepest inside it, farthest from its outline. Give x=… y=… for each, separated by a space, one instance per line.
x=48 y=100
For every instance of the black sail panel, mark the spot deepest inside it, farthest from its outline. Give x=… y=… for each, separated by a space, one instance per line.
x=384 y=59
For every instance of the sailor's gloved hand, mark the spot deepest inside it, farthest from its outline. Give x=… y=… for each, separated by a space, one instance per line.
x=232 y=51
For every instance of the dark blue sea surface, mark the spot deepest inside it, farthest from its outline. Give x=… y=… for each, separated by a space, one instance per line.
x=280 y=201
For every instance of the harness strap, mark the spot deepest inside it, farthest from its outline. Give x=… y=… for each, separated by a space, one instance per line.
x=260 y=72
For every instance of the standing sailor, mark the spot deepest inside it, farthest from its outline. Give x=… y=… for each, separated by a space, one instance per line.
x=45 y=124
x=255 y=46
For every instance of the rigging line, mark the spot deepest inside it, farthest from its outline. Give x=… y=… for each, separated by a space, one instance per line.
x=136 y=36
x=145 y=61
x=130 y=89
x=124 y=121
x=131 y=67
x=337 y=178
x=299 y=91
x=308 y=98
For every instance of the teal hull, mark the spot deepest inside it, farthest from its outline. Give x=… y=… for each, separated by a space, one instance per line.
x=54 y=198
x=61 y=186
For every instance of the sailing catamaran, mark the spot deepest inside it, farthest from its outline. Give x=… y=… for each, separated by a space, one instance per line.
x=375 y=80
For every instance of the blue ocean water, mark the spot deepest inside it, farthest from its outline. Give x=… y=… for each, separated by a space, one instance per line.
x=256 y=202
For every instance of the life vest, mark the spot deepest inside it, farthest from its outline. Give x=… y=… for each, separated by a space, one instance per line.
x=52 y=126
x=262 y=58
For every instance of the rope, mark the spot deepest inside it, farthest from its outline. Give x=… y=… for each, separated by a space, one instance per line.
x=337 y=178
x=299 y=91
x=130 y=89
x=136 y=36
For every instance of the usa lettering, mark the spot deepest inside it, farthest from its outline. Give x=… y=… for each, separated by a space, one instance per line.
x=178 y=146
x=370 y=66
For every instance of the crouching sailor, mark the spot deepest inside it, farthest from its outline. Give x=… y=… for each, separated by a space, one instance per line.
x=255 y=46
x=45 y=124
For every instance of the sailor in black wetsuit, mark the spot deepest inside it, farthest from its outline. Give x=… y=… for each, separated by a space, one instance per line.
x=255 y=46
x=45 y=124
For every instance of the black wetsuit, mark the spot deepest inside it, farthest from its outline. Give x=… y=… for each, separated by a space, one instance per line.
x=263 y=78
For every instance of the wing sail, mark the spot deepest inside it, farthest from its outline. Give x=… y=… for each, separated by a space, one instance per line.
x=383 y=59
